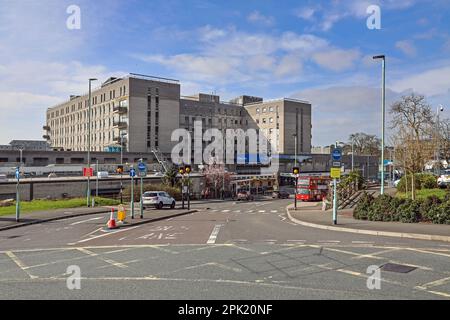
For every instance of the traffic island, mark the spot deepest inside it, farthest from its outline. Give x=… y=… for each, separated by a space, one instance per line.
x=316 y=218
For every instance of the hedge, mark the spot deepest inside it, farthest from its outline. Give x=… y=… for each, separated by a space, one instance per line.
x=422 y=181
x=387 y=208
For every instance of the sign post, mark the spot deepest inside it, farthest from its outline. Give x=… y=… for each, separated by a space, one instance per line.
x=132 y=175
x=17 y=194
x=336 y=156
x=296 y=171
x=142 y=173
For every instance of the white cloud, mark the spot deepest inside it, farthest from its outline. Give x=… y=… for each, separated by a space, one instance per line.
x=257 y=17
x=337 y=59
x=407 y=47
x=306 y=13
x=430 y=82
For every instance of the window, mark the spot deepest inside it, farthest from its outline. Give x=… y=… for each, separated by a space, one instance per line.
x=264 y=110
x=257 y=110
x=264 y=120
x=270 y=109
x=271 y=120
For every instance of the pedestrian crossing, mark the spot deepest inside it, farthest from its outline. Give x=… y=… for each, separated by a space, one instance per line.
x=250 y=211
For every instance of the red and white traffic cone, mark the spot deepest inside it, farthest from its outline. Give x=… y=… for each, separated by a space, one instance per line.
x=112 y=221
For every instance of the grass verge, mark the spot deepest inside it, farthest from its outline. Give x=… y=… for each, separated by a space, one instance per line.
x=423 y=194
x=42 y=205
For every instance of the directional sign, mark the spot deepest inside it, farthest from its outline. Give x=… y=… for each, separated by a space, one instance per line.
x=336 y=155
x=132 y=172
x=17 y=173
x=335 y=173
x=142 y=166
x=142 y=174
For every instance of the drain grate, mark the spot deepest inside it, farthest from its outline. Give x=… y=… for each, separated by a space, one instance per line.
x=399 y=268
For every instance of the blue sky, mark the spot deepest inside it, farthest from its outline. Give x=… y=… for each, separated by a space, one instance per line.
x=312 y=50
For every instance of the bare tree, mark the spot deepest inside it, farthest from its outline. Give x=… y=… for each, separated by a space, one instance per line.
x=364 y=143
x=412 y=122
x=217 y=179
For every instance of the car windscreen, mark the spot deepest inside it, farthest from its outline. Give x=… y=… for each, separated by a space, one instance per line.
x=150 y=194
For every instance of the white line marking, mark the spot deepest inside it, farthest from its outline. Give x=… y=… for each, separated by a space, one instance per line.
x=328 y=241
x=213 y=237
x=225 y=211
x=262 y=211
x=110 y=261
x=104 y=235
x=82 y=221
x=237 y=211
x=19 y=263
x=274 y=211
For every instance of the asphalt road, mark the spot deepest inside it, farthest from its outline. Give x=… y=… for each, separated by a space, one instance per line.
x=232 y=250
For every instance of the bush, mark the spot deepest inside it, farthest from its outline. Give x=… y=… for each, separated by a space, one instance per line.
x=380 y=209
x=422 y=181
x=440 y=213
x=362 y=208
x=409 y=212
x=427 y=206
x=173 y=191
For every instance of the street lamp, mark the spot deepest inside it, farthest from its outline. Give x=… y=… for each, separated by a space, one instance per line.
x=295 y=152
x=383 y=107
x=440 y=108
x=89 y=146
x=353 y=154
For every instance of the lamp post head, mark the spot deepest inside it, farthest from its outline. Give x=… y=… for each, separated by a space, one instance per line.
x=93 y=79
x=381 y=56
x=441 y=108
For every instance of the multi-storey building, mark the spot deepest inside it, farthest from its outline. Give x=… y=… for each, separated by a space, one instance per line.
x=139 y=114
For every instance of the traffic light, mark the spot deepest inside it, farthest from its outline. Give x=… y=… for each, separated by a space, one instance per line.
x=120 y=169
x=296 y=170
x=187 y=169
x=181 y=170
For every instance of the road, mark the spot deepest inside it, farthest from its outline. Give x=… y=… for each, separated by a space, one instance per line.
x=230 y=250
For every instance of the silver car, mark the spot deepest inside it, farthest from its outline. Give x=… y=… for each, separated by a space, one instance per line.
x=157 y=199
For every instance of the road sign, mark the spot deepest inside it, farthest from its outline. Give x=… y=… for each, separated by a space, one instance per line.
x=142 y=166
x=335 y=173
x=132 y=172
x=336 y=154
x=88 y=172
x=17 y=173
x=142 y=174
x=336 y=164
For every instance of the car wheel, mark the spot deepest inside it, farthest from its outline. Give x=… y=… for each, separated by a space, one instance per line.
x=172 y=205
x=160 y=205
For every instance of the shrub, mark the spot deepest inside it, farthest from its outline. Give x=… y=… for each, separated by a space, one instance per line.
x=421 y=181
x=426 y=207
x=362 y=208
x=409 y=211
x=381 y=209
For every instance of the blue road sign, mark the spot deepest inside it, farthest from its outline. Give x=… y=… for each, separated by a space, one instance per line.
x=142 y=166
x=132 y=172
x=336 y=154
x=17 y=173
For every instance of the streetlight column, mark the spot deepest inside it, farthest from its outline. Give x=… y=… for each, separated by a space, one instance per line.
x=88 y=196
x=383 y=108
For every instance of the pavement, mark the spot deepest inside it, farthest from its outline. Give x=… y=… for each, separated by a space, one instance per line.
x=311 y=215
x=226 y=250
x=9 y=221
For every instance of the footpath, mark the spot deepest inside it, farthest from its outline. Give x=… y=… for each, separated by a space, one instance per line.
x=312 y=216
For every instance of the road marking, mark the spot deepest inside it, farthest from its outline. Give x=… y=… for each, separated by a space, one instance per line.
x=225 y=211
x=363 y=242
x=262 y=211
x=295 y=240
x=110 y=261
x=328 y=241
x=372 y=255
x=213 y=237
x=82 y=221
x=436 y=283
x=249 y=211
x=88 y=234
x=274 y=211
x=19 y=263
x=103 y=235
x=237 y=211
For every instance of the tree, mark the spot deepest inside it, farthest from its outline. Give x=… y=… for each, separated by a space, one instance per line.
x=444 y=139
x=170 y=176
x=217 y=179
x=363 y=143
x=412 y=122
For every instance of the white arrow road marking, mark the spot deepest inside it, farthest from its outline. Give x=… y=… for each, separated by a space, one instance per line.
x=82 y=221
x=213 y=237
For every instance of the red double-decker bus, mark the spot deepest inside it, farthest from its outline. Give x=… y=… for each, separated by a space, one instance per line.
x=312 y=188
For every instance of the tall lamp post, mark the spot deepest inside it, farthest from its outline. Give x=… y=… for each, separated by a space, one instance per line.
x=438 y=156
x=88 y=197
x=383 y=108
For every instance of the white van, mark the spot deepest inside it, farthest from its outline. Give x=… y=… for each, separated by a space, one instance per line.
x=102 y=174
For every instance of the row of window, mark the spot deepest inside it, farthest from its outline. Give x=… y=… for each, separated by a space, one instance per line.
x=265 y=109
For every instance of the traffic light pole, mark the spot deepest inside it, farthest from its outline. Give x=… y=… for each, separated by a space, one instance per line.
x=188 y=193
x=132 y=197
x=182 y=192
x=18 y=196
x=296 y=186
x=334 y=201
x=141 y=204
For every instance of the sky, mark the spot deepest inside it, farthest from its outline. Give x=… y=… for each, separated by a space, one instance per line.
x=320 y=51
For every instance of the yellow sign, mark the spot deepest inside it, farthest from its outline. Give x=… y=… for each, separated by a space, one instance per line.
x=335 y=173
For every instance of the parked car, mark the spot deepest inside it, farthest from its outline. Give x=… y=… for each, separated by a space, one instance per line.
x=444 y=179
x=244 y=195
x=102 y=174
x=52 y=175
x=157 y=199
x=280 y=195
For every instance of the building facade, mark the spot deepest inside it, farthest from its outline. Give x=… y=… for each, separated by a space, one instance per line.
x=138 y=113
